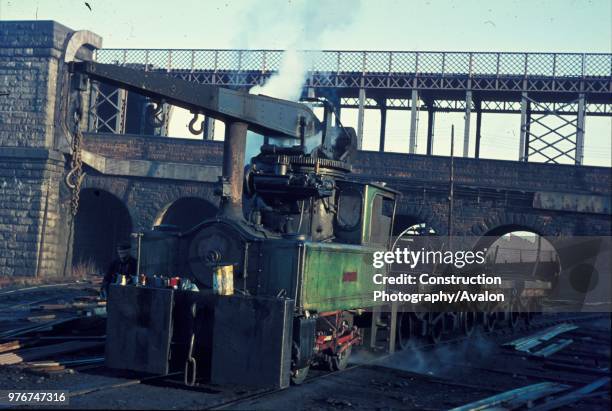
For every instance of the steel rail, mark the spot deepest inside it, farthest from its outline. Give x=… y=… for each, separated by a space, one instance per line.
x=533 y=326
x=257 y=394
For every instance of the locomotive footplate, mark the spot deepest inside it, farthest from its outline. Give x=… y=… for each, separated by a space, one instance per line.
x=226 y=340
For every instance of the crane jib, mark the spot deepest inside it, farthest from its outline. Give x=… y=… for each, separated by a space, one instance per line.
x=264 y=115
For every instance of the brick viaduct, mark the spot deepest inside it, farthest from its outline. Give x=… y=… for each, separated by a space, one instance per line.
x=134 y=182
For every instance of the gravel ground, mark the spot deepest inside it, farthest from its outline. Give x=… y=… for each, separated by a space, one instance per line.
x=429 y=378
x=439 y=378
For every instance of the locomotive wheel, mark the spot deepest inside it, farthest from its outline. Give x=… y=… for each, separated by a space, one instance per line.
x=513 y=319
x=514 y=315
x=405 y=327
x=436 y=328
x=527 y=316
x=489 y=321
x=468 y=323
x=499 y=316
x=299 y=376
x=340 y=361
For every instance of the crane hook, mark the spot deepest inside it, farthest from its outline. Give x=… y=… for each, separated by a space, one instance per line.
x=155 y=114
x=192 y=123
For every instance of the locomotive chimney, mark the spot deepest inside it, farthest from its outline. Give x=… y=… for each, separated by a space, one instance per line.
x=233 y=169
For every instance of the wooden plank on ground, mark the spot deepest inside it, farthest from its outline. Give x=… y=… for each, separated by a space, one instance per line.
x=37 y=327
x=574 y=396
x=9 y=346
x=52 y=307
x=10 y=359
x=557 y=365
x=39 y=318
x=47 y=351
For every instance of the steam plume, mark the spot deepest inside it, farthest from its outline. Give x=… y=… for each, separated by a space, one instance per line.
x=294 y=27
x=306 y=25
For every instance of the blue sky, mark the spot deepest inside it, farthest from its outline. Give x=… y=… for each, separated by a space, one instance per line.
x=520 y=25
x=544 y=25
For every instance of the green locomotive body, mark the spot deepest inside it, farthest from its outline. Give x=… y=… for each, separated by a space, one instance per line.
x=321 y=276
x=336 y=277
x=324 y=265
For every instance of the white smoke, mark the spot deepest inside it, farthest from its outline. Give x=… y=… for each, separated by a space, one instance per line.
x=304 y=25
x=287 y=83
x=442 y=359
x=294 y=27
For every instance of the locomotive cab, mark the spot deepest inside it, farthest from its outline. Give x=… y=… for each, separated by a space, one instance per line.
x=365 y=213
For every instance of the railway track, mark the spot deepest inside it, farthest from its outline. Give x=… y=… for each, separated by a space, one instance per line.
x=231 y=399
x=536 y=325
x=227 y=399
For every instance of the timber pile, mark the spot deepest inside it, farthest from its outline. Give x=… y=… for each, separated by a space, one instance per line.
x=47 y=351
x=540 y=344
x=52 y=358
x=52 y=335
x=10 y=346
x=543 y=396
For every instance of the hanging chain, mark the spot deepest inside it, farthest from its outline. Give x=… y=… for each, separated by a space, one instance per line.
x=75 y=176
x=123 y=111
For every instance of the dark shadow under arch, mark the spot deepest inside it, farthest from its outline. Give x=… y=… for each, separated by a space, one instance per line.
x=186 y=213
x=100 y=224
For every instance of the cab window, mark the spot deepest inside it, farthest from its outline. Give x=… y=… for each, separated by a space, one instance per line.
x=349 y=215
x=382 y=217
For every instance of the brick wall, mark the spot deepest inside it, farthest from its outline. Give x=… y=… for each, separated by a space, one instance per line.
x=476 y=215
x=488 y=193
x=390 y=167
x=32 y=212
x=29 y=60
x=33 y=199
x=487 y=173
x=155 y=148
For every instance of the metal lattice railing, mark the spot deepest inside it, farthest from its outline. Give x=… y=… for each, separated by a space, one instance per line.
x=556 y=65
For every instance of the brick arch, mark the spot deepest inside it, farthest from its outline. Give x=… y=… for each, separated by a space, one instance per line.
x=163 y=196
x=117 y=187
x=145 y=198
x=170 y=193
x=496 y=224
x=493 y=228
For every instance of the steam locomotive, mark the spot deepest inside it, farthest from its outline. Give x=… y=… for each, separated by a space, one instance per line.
x=295 y=236
x=307 y=234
